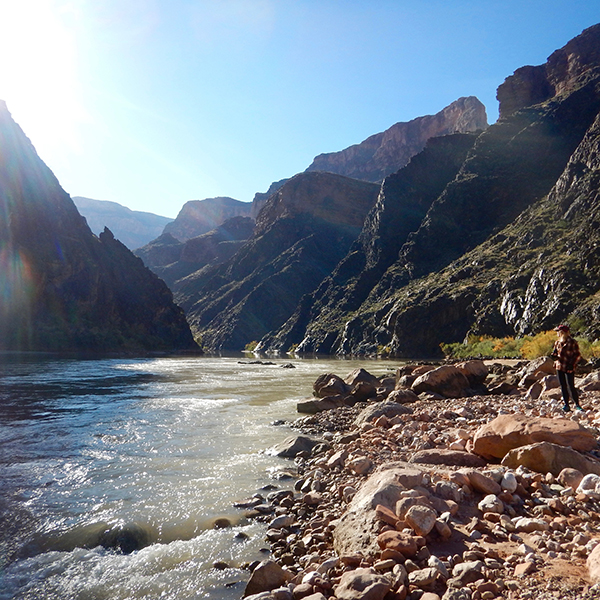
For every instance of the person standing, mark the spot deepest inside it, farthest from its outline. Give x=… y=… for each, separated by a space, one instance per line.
x=566 y=355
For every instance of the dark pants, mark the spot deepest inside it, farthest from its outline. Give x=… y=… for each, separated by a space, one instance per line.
x=567 y=386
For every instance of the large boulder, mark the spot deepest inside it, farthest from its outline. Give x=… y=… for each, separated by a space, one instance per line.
x=535 y=370
x=593 y=565
x=476 y=371
x=329 y=384
x=447 y=380
x=506 y=432
x=357 y=529
x=312 y=406
x=591 y=382
x=545 y=457
x=386 y=408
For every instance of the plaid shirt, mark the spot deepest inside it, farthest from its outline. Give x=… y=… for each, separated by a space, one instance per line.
x=566 y=355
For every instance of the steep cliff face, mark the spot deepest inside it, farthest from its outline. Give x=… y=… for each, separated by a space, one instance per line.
x=403 y=201
x=303 y=231
x=387 y=152
x=561 y=74
x=510 y=245
x=197 y=217
x=173 y=260
x=63 y=287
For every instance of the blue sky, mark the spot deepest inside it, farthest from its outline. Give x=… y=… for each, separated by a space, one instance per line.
x=151 y=103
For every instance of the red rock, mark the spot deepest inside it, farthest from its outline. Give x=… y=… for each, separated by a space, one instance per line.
x=386 y=515
x=506 y=432
x=396 y=540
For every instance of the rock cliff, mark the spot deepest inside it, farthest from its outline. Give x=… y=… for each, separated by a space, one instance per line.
x=384 y=153
x=303 y=231
x=201 y=216
x=510 y=244
x=64 y=289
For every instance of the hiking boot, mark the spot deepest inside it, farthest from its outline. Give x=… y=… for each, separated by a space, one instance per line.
x=578 y=408
x=566 y=408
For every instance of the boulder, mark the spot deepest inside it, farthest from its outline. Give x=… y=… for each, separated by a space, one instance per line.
x=481 y=483
x=475 y=371
x=591 y=382
x=447 y=380
x=357 y=529
x=388 y=408
x=267 y=576
x=506 y=432
x=442 y=456
x=293 y=445
x=312 y=406
x=361 y=376
x=570 y=478
x=593 y=565
x=398 y=541
x=545 y=457
x=362 y=584
x=421 y=519
x=535 y=369
x=329 y=384
x=402 y=396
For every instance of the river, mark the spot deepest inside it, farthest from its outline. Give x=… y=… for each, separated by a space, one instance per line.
x=158 y=446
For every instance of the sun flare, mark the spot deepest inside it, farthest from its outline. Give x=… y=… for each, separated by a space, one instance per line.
x=38 y=70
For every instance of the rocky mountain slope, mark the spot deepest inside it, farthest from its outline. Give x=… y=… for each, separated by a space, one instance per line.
x=197 y=217
x=386 y=152
x=303 y=231
x=133 y=228
x=508 y=247
x=63 y=287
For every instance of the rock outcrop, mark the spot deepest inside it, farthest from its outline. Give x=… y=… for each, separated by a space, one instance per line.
x=509 y=247
x=63 y=287
x=302 y=232
x=201 y=216
x=387 y=152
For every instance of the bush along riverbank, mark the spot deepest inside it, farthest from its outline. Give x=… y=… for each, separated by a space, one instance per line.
x=456 y=482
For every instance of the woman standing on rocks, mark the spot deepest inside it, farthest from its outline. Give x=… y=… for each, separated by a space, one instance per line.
x=566 y=355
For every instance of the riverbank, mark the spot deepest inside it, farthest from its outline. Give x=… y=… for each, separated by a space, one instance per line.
x=392 y=501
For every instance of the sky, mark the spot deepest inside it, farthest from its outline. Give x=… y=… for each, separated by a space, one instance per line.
x=152 y=103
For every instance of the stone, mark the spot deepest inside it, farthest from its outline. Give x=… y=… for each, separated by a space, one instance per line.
x=293 y=445
x=402 y=396
x=506 y=432
x=421 y=519
x=535 y=369
x=313 y=406
x=446 y=380
x=468 y=572
x=509 y=482
x=545 y=457
x=360 y=465
x=329 y=384
x=362 y=584
x=442 y=456
x=423 y=577
x=589 y=483
x=399 y=541
x=267 y=576
x=476 y=371
x=383 y=513
x=360 y=375
x=529 y=525
x=388 y=408
x=481 y=483
x=356 y=530
x=525 y=568
x=570 y=477
x=593 y=565
x=591 y=382
x=492 y=504
x=281 y=522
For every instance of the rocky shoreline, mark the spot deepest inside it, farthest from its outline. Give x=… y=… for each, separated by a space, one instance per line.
x=423 y=485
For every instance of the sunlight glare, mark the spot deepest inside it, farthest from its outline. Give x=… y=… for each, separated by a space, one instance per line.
x=38 y=71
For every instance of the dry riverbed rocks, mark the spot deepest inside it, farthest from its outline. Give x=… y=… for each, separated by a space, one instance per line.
x=425 y=486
